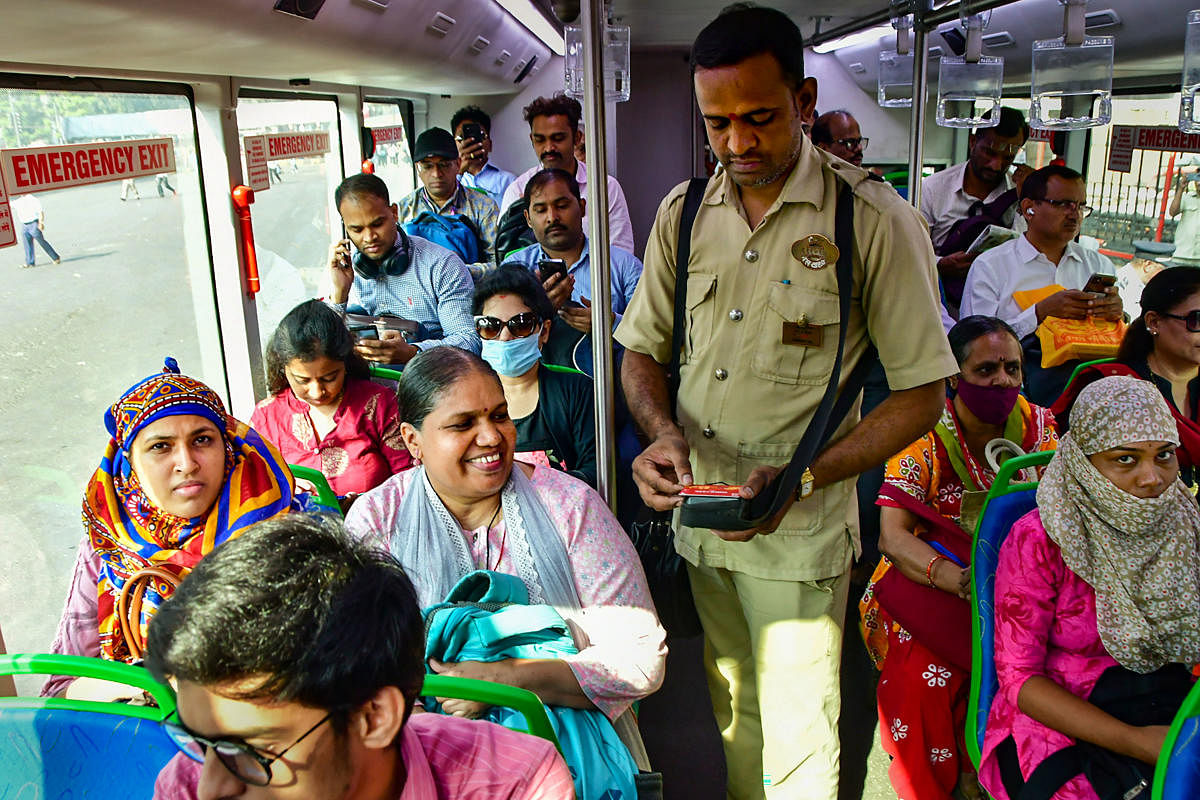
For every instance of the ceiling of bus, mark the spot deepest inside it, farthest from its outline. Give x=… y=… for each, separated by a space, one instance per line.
x=376 y=43
x=1149 y=35
x=391 y=43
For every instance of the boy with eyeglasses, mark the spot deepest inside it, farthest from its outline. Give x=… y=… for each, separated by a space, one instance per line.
x=1053 y=205
x=297 y=656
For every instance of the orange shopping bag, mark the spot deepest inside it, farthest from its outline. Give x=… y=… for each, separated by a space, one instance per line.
x=1066 y=340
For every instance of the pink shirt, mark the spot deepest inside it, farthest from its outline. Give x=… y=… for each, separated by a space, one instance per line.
x=1045 y=625
x=622 y=650
x=78 y=631
x=362 y=451
x=446 y=758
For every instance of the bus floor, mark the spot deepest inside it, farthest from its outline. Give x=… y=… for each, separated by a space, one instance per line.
x=683 y=742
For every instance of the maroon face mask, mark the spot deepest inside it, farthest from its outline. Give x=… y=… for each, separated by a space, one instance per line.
x=992 y=404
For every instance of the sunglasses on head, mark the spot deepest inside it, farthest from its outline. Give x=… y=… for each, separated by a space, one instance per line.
x=1191 y=319
x=249 y=764
x=520 y=326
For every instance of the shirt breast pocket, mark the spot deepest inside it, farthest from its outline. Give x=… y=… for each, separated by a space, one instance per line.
x=794 y=363
x=699 y=302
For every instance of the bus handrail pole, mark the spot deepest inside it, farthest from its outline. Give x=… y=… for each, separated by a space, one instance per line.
x=916 y=143
x=594 y=23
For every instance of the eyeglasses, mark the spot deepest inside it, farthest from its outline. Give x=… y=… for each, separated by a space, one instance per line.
x=1005 y=151
x=859 y=143
x=426 y=165
x=1191 y=319
x=248 y=763
x=1070 y=205
x=520 y=326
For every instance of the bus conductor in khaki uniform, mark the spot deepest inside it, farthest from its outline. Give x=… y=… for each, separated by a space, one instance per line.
x=773 y=600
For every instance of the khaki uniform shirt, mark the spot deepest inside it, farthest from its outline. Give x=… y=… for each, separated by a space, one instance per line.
x=745 y=397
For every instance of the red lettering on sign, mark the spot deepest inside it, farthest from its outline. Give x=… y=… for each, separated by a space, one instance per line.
x=68 y=162
x=106 y=161
x=40 y=170
x=19 y=172
x=55 y=166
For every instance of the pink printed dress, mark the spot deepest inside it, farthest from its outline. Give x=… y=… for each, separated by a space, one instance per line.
x=1045 y=625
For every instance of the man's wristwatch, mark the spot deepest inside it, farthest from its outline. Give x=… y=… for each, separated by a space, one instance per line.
x=805 y=489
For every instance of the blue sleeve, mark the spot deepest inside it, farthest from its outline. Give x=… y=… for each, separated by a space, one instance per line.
x=454 y=290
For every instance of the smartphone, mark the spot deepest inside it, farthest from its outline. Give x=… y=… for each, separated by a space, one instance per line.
x=472 y=130
x=365 y=331
x=550 y=266
x=1098 y=283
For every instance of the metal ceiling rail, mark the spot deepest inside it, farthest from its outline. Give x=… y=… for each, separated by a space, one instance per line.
x=929 y=19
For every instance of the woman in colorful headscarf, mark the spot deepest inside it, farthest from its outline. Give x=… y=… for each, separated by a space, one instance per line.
x=1097 y=607
x=915 y=612
x=178 y=478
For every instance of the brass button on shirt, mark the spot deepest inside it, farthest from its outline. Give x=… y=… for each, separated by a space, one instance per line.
x=759 y=411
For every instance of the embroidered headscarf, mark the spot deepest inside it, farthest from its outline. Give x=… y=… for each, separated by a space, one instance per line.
x=128 y=532
x=1140 y=555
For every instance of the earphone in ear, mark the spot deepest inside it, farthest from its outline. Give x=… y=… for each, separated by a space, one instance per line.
x=1029 y=212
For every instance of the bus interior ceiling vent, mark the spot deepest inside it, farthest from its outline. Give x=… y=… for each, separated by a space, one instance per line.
x=305 y=9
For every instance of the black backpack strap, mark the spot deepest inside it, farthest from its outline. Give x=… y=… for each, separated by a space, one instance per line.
x=683 y=251
x=832 y=408
x=1052 y=774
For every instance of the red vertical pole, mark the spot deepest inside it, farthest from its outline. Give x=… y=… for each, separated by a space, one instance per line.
x=1162 y=210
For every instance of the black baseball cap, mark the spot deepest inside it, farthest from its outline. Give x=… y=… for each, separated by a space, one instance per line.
x=435 y=142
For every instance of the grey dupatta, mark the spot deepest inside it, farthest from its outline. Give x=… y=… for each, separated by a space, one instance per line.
x=430 y=543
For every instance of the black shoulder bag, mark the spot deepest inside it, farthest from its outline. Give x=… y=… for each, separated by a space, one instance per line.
x=653 y=538
x=736 y=514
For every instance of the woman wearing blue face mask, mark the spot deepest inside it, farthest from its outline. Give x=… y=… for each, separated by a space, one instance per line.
x=552 y=410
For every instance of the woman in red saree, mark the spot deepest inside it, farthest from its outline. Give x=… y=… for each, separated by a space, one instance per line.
x=914 y=613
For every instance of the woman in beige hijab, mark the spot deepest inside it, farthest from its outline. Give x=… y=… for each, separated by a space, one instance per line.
x=1097 y=607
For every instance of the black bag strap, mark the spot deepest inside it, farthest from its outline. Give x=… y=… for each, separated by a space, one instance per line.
x=832 y=408
x=683 y=251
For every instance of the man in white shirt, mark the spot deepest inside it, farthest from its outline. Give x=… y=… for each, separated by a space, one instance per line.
x=1186 y=205
x=31 y=219
x=1053 y=204
x=554 y=132
x=947 y=196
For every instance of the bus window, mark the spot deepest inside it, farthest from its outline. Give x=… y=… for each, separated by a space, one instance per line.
x=132 y=284
x=1132 y=206
x=393 y=161
x=294 y=220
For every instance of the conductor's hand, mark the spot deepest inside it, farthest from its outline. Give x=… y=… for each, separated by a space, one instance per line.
x=661 y=470
x=341 y=274
x=389 y=348
x=758 y=480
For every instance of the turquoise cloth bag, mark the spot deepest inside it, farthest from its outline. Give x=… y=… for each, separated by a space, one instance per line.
x=486 y=617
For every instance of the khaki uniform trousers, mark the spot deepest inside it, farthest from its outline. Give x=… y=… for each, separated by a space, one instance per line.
x=771 y=652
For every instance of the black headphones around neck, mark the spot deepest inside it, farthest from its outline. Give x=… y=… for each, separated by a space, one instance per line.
x=394 y=263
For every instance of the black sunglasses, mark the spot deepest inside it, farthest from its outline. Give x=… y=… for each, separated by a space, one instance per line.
x=1191 y=319
x=520 y=326
x=247 y=763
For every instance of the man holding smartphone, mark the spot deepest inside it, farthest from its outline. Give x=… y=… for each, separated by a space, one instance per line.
x=1053 y=206
x=390 y=272
x=554 y=210
x=472 y=129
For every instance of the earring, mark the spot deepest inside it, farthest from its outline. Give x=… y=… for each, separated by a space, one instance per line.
x=1154 y=333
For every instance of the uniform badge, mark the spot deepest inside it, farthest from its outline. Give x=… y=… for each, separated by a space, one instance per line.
x=815 y=251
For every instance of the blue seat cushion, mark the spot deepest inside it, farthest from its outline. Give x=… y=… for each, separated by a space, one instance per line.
x=63 y=753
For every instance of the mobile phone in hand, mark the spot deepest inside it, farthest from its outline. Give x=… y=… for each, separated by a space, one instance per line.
x=550 y=266
x=1099 y=283
x=472 y=131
